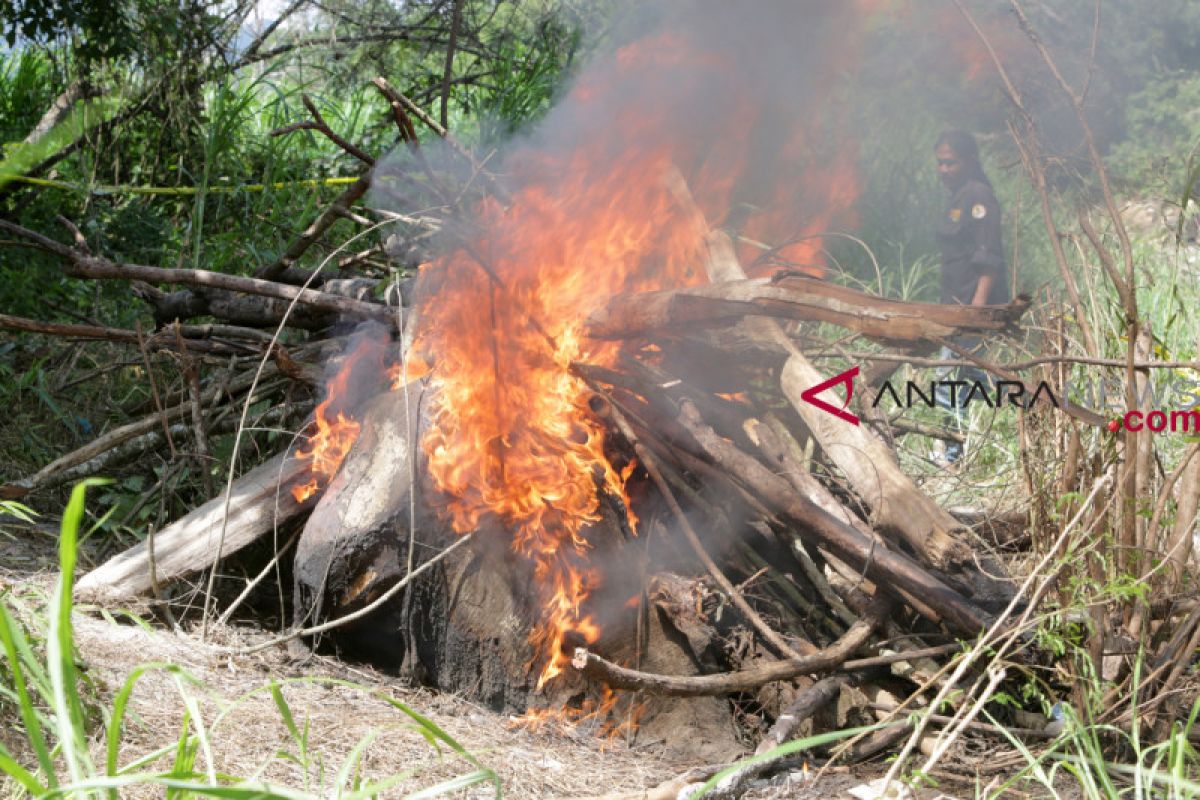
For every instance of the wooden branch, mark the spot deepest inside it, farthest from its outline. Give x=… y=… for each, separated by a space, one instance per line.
x=319 y=124
x=891 y=321
x=316 y=230
x=420 y=114
x=448 y=68
x=237 y=309
x=806 y=704
x=898 y=506
x=779 y=448
x=81 y=265
x=890 y=570
x=407 y=132
x=825 y=660
x=117 y=436
x=122 y=335
x=867 y=462
x=58 y=110
x=650 y=463
x=261 y=502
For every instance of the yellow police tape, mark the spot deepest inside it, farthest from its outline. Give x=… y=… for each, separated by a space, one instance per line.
x=179 y=190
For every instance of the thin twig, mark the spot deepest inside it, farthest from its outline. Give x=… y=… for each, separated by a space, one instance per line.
x=1000 y=627
x=319 y=124
x=357 y=615
x=826 y=660
x=158 y=406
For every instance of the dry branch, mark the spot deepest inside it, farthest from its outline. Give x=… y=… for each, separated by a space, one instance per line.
x=316 y=230
x=825 y=660
x=889 y=570
x=262 y=501
x=235 y=308
x=649 y=462
x=125 y=336
x=890 y=321
x=806 y=704
x=899 y=508
x=82 y=265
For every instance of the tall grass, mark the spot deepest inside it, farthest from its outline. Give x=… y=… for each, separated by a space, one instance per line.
x=48 y=752
x=1100 y=761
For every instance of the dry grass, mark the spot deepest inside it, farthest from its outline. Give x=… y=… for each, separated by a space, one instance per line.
x=340 y=704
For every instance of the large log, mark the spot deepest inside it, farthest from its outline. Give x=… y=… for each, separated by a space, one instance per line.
x=260 y=502
x=893 y=322
x=355 y=543
x=465 y=626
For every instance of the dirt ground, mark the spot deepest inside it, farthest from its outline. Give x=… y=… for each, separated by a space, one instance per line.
x=339 y=704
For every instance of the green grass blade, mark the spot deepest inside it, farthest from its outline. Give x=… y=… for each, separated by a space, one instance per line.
x=149 y=758
x=179 y=786
x=1033 y=764
x=198 y=723
x=10 y=767
x=782 y=750
x=29 y=714
x=453 y=785
x=285 y=712
x=353 y=759
x=19 y=510
x=117 y=717
x=60 y=643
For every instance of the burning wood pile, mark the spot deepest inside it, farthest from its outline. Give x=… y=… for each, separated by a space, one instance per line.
x=583 y=468
x=567 y=515
x=578 y=495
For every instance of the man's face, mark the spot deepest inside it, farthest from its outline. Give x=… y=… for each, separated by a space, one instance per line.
x=950 y=167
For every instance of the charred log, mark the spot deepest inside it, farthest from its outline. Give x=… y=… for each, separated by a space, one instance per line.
x=260 y=502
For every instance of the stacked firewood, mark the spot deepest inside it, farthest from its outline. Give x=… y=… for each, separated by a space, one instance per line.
x=784 y=559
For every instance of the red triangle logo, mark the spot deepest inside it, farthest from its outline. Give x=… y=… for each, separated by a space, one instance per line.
x=847 y=377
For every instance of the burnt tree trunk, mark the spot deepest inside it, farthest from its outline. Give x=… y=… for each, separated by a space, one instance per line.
x=465 y=626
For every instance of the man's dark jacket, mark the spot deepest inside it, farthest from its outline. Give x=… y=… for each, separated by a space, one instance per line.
x=970 y=240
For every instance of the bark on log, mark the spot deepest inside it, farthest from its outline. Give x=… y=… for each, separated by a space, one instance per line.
x=888 y=569
x=893 y=322
x=261 y=501
x=355 y=543
x=806 y=704
x=238 y=309
x=465 y=626
x=899 y=507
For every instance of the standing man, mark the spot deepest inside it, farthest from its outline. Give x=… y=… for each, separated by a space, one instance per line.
x=971 y=244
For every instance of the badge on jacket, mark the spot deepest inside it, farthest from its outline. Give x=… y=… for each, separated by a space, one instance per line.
x=955 y=214
x=978 y=211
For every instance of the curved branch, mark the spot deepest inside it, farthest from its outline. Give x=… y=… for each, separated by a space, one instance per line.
x=826 y=660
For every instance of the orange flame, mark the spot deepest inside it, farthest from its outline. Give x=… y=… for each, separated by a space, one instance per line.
x=610 y=722
x=512 y=437
x=336 y=430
